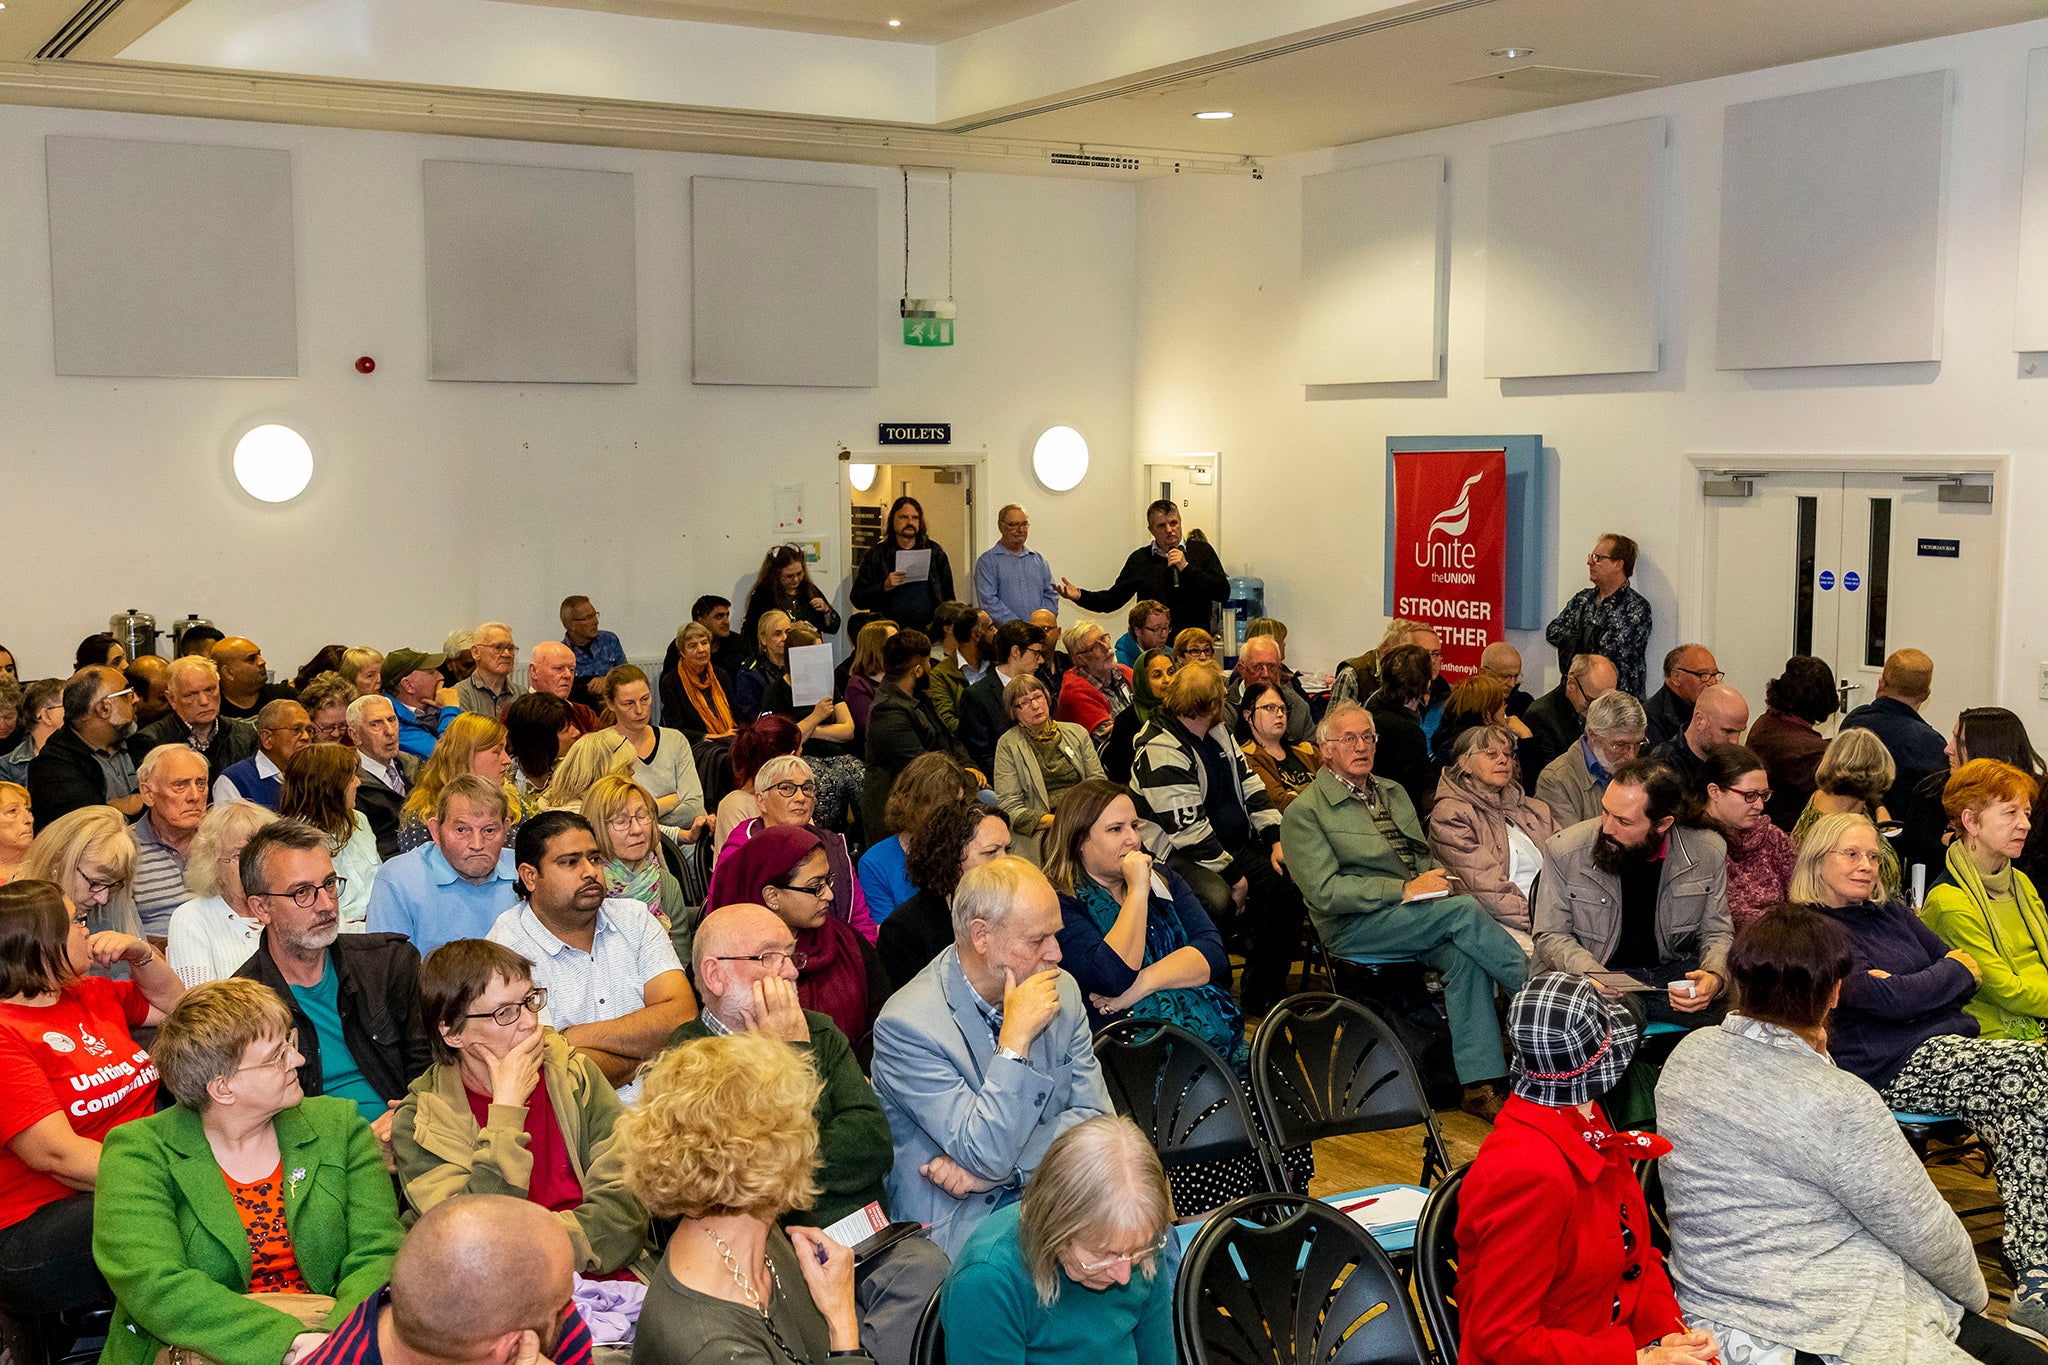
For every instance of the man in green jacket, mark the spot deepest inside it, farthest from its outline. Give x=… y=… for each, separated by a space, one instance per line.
x=746 y=966
x=1374 y=889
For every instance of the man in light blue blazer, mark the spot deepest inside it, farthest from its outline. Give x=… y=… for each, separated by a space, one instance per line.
x=984 y=1057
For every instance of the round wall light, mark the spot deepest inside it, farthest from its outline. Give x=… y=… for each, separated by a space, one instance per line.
x=273 y=463
x=863 y=476
x=1060 y=459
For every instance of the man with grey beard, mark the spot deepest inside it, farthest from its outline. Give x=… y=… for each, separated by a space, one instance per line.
x=354 y=998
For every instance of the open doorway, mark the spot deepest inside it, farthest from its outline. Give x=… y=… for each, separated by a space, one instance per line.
x=1189 y=480
x=944 y=487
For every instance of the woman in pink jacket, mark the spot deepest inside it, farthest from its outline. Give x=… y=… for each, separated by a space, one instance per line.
x=1486 y=832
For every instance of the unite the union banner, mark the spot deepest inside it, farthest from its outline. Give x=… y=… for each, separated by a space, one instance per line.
x=1450 y=520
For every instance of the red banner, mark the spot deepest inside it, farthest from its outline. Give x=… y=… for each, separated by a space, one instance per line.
x=1450 y=548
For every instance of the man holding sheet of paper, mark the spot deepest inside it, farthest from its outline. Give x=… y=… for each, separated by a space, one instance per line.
x=905 y=576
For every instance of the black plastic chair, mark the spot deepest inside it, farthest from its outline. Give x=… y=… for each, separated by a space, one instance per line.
x=1278 y=1279
x=1324 y=1066
x=42 y=1339
x=928 y=1347
x=1436 y=1263
x=1651 y=1177
x=1183 y=1095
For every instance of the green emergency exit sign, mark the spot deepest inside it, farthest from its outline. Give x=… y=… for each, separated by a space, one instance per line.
x=927 y=331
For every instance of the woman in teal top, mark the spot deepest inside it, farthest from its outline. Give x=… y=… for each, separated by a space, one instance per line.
x=1080 y=1272
x=247 y=1221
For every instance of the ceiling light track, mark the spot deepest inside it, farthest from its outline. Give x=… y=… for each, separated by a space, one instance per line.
x=202 y=92
x=1231 y=63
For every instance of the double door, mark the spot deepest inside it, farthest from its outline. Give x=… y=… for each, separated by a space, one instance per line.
x=1849 y=567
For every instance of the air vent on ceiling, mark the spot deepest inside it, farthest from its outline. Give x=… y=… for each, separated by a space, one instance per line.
x=1100 y=163
x=1561 y=83
x=78 y=28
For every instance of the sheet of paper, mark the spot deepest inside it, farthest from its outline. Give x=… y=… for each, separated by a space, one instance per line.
x=810 y=674
x=914 y=565
x=1389 y=1208
x=858 y=1226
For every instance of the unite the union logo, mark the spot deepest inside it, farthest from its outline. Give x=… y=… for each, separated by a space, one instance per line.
x=1454 y=520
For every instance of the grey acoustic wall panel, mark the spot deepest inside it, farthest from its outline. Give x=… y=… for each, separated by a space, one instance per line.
x=786 y=283
x=531 y=274
x=1831 y=226
x=1573 y=251
x=1374 y=273
x=171 y=260
x=2030 y=329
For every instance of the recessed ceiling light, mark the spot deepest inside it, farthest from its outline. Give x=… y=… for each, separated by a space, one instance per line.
x=1216 y=113
x=895 y=23
x=1512 y=52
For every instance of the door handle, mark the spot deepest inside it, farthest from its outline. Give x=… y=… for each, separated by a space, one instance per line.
x=1845 y=687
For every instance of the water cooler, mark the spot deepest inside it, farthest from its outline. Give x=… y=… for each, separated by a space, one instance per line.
x=1245 y=604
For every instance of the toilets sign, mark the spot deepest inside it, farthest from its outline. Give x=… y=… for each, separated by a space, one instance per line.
x=1450 y=514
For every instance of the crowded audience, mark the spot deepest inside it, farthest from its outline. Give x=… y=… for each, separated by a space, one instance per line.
x=699 y=1056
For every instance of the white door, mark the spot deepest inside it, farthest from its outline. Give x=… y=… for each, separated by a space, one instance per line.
x=1849 y=567
x=1190 y=480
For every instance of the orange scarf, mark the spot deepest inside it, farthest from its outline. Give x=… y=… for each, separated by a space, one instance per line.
x=708 y=697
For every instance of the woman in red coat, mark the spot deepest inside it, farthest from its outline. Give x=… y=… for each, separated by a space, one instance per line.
x=1555 y=1265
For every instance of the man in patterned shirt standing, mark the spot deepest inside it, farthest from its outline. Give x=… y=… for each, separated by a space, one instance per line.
x=1609 y=618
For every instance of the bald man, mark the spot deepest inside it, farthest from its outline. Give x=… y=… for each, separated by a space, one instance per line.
x=150 y=676
x=551 y=668
x=1917 y=748
x=483 y=1279
x=1503 y=661
x=245 y=686
x=1719 y=716
x=1688 y=671
x=742 y=955
x=1260 y=664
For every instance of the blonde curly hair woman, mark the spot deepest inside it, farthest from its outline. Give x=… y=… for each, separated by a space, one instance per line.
x=723 y=1139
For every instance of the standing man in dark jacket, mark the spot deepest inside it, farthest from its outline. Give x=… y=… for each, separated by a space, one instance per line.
x=1917 y=748
x=880 y=587
x=86 y=762
x=1186 y=575
x=354 y=998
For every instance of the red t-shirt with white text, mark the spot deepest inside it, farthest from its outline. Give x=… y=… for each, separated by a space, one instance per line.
x=74 y=1058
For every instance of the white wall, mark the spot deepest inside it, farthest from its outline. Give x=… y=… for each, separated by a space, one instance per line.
x=440 y=505
x=1218 y=310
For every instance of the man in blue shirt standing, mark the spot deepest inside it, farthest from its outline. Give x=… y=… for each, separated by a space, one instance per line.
x=598 y=652
x=1011 y=582
x=458 y=885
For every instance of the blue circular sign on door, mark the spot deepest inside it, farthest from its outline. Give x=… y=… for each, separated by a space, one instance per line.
x=1827 y=579
x=1850 y=582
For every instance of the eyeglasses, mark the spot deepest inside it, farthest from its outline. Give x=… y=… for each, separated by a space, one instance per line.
x=1596 y=557
x=1200 y=651
x=1364 y=739
x=638 y=819
x=772 y=959
x=820 y=888
x=790 y=790
x=507 y=1015
x=1857 y=855
x=282 y=1058
x=1269 y=708
x=101 y=884
x=1130 y=1258
x=1710 y=675
x=497 y=649
x=1750 y=797
x=116 y=696
x=80 y=919
x=308 y=896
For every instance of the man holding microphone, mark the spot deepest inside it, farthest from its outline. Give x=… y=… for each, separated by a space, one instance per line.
x=1186 y=575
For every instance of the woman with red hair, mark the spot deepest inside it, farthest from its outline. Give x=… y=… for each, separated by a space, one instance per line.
x=1986 y=906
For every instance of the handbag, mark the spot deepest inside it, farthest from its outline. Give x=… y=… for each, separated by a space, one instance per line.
x=310 y=1309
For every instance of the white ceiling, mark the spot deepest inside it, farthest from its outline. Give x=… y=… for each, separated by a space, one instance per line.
x=923 y=21
x=818 y=79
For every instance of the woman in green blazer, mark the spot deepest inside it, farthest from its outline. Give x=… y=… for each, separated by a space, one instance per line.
x=246 y=1187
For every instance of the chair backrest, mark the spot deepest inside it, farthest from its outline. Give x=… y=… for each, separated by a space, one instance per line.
x=1436 y=1263
x=1651 y=1177
x=928 y=1346
x=1323 y=1066
x=1182 y=1094
x=1276 y=1279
